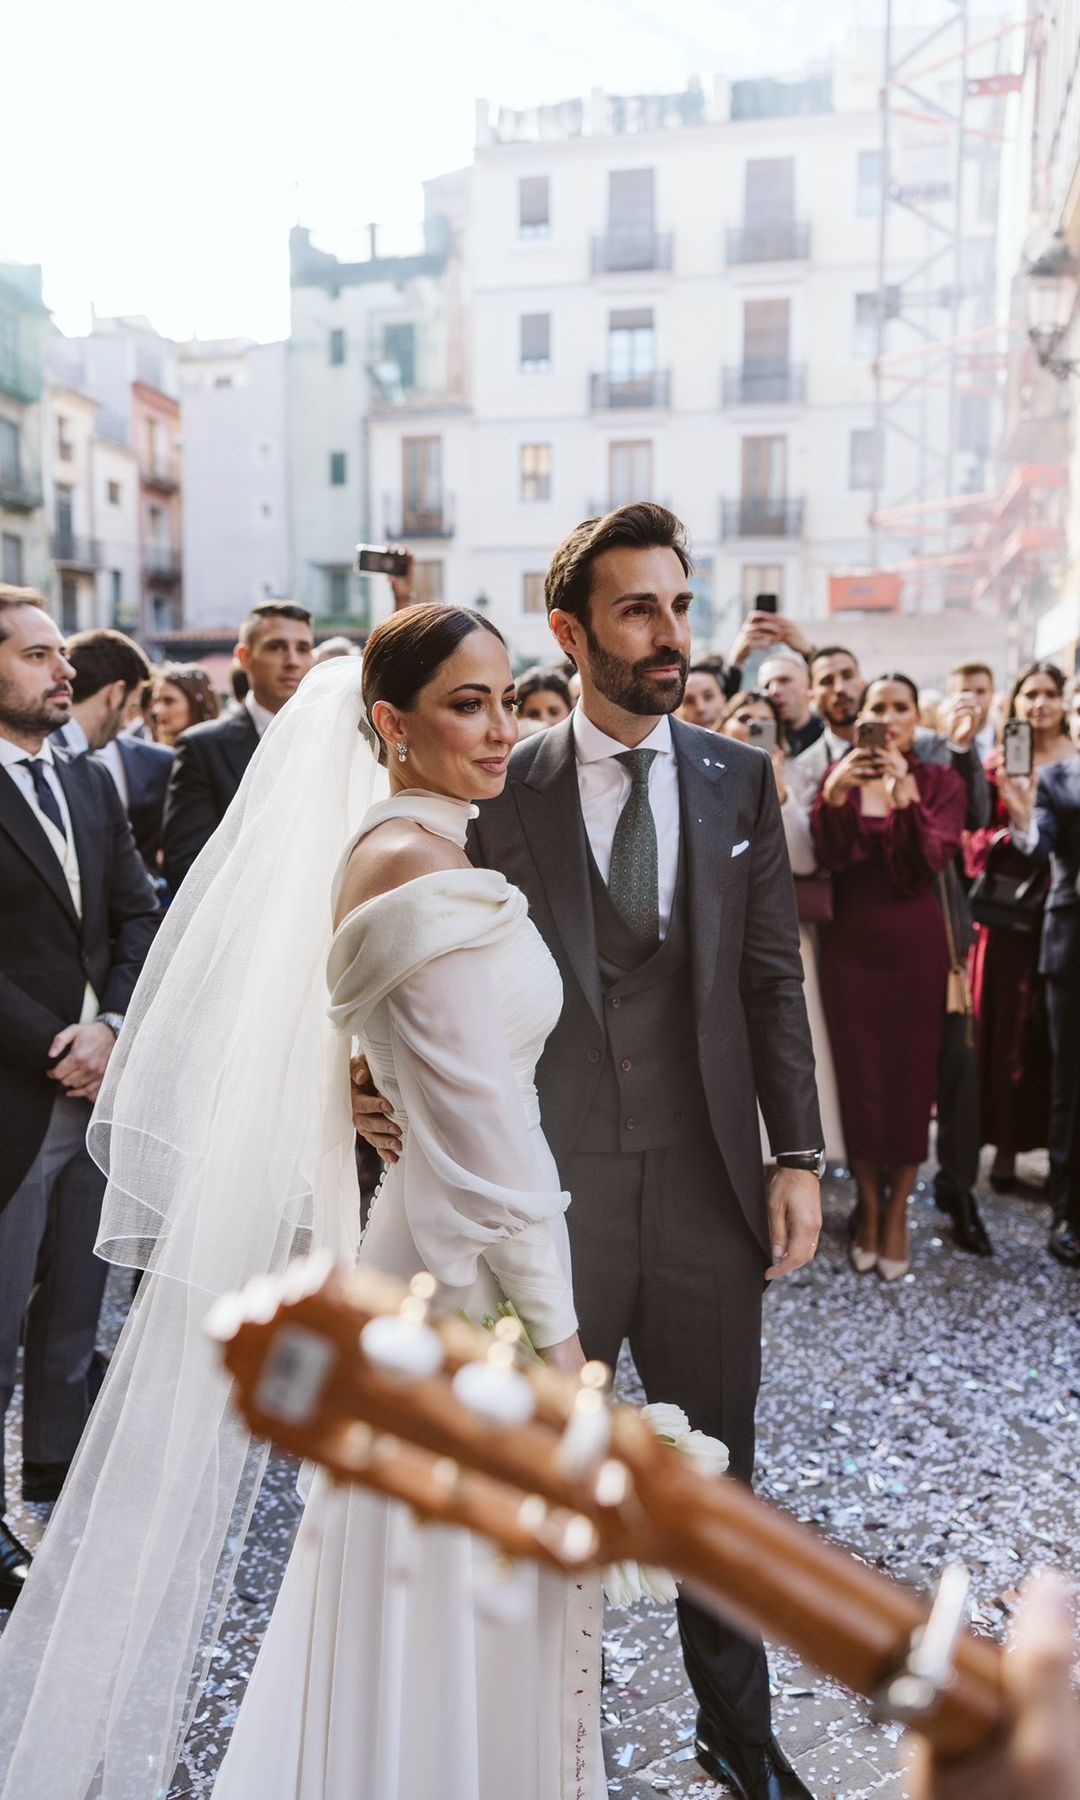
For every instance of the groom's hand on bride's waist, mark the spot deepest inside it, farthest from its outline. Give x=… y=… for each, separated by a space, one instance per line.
x=373 y=1116
x=794 y=1220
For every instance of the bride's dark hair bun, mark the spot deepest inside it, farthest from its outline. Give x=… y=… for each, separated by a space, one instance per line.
x=405 y=651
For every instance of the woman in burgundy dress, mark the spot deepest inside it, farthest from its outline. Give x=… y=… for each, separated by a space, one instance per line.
x=1010 y=999
x=887 y=824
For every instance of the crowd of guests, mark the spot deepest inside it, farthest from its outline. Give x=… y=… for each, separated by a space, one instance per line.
x=939 y=915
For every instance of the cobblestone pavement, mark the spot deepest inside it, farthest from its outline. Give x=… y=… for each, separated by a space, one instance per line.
x=933 y=1420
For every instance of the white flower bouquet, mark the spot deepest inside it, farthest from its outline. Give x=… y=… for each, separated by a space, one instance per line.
x=626 y=1583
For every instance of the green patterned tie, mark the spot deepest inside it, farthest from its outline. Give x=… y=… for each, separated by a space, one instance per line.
x=634 y=881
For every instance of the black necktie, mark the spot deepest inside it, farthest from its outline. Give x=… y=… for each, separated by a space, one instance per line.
x=46 y=799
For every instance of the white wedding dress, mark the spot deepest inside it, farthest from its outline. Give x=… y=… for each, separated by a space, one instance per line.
x=384 y=1675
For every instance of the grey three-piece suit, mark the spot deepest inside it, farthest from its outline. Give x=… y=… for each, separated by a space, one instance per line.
x=648 y=1094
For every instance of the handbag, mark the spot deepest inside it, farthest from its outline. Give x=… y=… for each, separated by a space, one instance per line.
x=814 y=898
x=1010 y=893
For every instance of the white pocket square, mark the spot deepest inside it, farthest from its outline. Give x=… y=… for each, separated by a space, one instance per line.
x=739 y=848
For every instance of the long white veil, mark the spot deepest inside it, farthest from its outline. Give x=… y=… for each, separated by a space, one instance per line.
x=223 y=1127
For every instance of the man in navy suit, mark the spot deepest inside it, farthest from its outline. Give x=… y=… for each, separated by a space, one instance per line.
x=109 y=669
x=77 y=917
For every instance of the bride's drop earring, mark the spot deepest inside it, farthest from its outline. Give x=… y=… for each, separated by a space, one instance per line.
x=402 y=752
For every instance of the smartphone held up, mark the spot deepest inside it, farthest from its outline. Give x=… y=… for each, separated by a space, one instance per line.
x=375 y=559
x=1018 y=747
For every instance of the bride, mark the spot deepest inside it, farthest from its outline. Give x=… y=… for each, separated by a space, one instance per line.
x=224 y=1128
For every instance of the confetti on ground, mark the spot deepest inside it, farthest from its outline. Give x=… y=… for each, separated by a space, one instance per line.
x=935 y=1420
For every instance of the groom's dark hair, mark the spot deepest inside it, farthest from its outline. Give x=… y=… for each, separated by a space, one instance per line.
x=641 y=526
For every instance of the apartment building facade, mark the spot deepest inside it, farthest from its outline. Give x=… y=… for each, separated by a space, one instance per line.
x=23 y=323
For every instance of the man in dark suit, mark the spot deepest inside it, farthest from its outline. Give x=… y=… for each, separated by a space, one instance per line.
x=1054 y=835
x=653 y=858
x=77 y=917
x=275 y=651
x=109 y=671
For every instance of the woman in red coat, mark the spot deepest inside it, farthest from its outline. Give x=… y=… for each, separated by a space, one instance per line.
x=887 y=824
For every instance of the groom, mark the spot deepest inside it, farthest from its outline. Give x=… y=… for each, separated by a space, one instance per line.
x=653 y=858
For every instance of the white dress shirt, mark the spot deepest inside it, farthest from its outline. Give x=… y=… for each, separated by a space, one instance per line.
x=14 y=760
x=260 y=715
x=78 y=744
x=604 y=786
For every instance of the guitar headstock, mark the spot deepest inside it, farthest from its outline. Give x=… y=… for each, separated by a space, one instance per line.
x=359 y=1373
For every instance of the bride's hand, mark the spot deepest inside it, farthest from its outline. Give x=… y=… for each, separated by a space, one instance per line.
x=568 y=1356
x=372 y=1116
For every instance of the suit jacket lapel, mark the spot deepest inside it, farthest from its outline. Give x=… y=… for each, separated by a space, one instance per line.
x=708 y=805
x=549 y=806
x=18 y=818
x=240 y=743
x=87 y=825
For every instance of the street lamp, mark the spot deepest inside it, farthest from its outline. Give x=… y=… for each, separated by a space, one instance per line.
x=1053 y=279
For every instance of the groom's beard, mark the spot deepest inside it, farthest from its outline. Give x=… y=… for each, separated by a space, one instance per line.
x=627 y=684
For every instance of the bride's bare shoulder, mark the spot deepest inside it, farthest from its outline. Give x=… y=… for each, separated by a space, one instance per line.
x=395 y=852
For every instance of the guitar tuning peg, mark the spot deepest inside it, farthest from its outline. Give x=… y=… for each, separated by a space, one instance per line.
x=503 y=1588
x=612 y=1483
x=577 y=1538
x=356 y=1446
x=225 y=1318
x=596 y=1375
x=586 y=1436
x=305 y=1275
x=498 y=1394
x=417 y=1302
x=402 y=1348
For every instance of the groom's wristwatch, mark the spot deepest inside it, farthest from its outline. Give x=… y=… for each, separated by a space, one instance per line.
x=811 y=1162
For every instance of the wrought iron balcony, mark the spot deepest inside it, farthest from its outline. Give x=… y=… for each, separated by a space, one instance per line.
x=162 y=566
x=19 y=491
x=71 y=552
x=778 y=240
x=765 y=384
x=404 y=520
x=162 y=476
x=20 y=379
x=761 y=518
x=608 y=392
x=623 y=252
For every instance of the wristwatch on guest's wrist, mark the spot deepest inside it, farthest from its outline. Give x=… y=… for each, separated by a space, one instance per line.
x=809 y=1162
x=113 y=1020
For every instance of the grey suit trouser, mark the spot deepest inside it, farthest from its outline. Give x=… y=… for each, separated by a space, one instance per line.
x=51 y=1281
x=663 y=1257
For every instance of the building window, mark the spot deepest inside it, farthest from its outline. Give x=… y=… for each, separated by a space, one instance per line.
x=69 y=605
x=536 y=471
x=10 y=453
x=769 y=192
x=535 y=343
x=630 y=472
x=421 y=482
x=866 y=325
x=337 y=593
x=223 y=381
x=534 y=206
x=161 y=612
x=337 y=346
x=11 y=560
x=766 y=336
x=113 y=493
x=532 y=594
x=65 y=449
x=631 y=344
x=337 y=468
x=399 y=349
x=760 y=578
x=631 y=218
x=868 y=186
x=764 y=471
x=864 y=460
x=428 y=582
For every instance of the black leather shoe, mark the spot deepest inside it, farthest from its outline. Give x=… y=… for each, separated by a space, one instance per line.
x=1064 y=1243
x=753 y=1771
x=15 y=1562
x=42 y=1482
x=969 y=1232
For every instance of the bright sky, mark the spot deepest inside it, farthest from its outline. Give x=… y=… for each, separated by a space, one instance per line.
x=161 y=154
